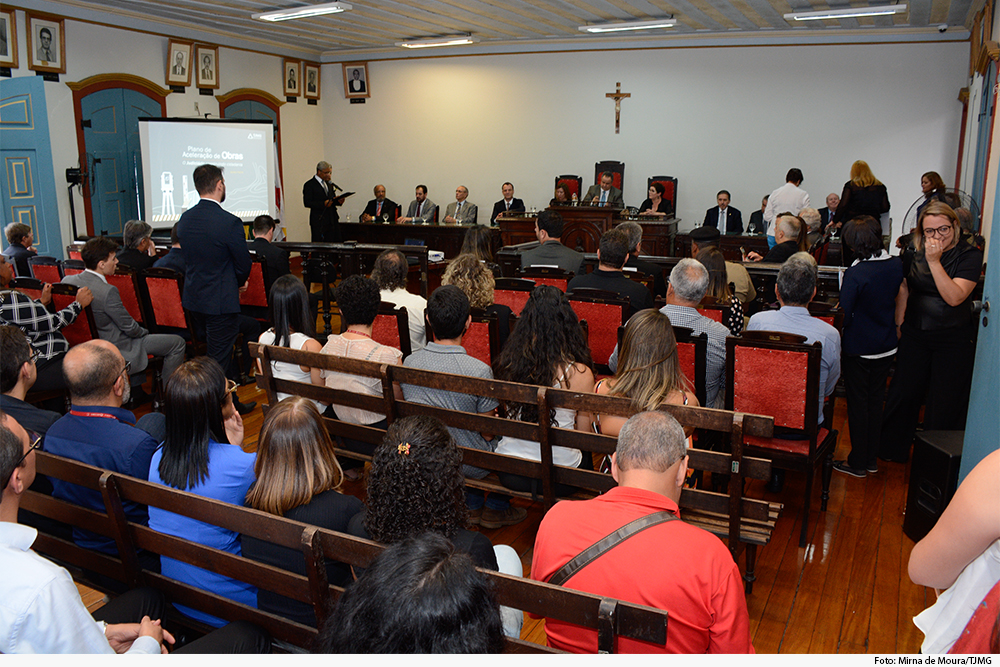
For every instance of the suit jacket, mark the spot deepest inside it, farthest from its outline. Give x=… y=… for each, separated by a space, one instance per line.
x=217 y=258
x=276 y=258
x=554 y=253
x=734 y=220
x=756 y=224
x=323 y=220
x=388 y=206
x=134 y=259
x=426 y=211
x=650 y=269
x=112 y=320
x=470 y=212
x=615 y=199
x=501 y=206
x=825 y=216
x=18 y=256
x=174 y=259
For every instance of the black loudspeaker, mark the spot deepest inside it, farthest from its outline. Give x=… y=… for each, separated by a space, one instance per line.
x=933 y=479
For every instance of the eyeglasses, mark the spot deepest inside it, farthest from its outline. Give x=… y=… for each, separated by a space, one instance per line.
x=37 y=444
x=231 y=386
x=939 y=232
x=34 y=355
x=128 y=367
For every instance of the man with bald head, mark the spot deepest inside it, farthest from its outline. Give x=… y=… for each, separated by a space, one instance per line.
x=461 y=211
x=379 y=206
x=99 y=432
x=667 y=564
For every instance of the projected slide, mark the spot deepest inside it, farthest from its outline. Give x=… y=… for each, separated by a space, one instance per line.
x=172 y=149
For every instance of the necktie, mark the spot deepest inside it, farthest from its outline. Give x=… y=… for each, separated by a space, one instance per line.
x=419 y=204
x=722 y=220
x=378 y=210
x=459 y=209
x=604 y=197
x=507 y=204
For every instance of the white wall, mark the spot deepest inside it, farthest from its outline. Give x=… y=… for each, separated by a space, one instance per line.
x=733 y=118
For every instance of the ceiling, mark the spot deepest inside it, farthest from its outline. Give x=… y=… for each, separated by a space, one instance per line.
x=372 y=27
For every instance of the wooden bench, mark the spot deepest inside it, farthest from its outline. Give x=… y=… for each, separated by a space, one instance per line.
x=741 y=520
x=609 y=617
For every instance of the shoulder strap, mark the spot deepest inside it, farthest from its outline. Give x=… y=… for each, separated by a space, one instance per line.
x=599 y=548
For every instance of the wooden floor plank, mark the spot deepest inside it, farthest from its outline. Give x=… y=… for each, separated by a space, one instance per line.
x=829 y=623
x=809 y=601
x=857 y=613
x=780 y=601
x=913 y=599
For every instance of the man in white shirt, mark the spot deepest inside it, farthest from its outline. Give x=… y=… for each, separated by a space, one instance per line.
x=789 y=197
x=390 y=274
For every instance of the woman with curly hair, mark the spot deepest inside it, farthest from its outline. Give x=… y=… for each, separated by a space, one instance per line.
x=471 y=276
x=297 y=477
x=415 y=485
x=649 y=372
x=546 y=348
x=718 y=288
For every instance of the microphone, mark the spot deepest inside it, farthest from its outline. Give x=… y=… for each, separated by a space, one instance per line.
x=336 y=187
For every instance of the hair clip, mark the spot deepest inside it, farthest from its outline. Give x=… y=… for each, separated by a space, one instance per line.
x=403 y=448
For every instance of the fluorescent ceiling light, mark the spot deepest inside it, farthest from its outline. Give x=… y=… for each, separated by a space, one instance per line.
x=303 y=12
x=665 y=22
x=451 y=40
x=847 y=12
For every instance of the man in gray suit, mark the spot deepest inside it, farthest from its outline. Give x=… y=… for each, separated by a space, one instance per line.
x=551 y=252
x=460 y=211
x=421 y=209
x=114 y=324
x=605 y=194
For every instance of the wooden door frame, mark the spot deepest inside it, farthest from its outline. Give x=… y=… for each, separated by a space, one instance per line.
x=254 y=95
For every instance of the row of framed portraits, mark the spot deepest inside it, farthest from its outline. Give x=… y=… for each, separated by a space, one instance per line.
x=189 y=63
x=46 y=42
x=301 y=78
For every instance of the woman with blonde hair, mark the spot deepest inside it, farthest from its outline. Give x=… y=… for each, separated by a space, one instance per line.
x=863 y=195
x=649 y=372
x=470 y=275
x=297 y=477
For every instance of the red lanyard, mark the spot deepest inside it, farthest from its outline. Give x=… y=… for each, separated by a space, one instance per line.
x=78 y=413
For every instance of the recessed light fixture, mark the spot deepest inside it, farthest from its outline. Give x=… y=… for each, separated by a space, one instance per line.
x=303 y=12
x=449 y=40
x=620 y=26
x=847 y=12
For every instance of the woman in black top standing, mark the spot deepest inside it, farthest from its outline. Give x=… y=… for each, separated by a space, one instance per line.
x=863 y=195
x=937 y=332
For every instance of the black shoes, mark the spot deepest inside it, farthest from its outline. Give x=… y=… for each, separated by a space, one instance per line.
x=243 y=408
x=842 y=466
x=777 y=482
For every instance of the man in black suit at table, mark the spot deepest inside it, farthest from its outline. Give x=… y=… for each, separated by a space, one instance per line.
x=508 y=203
x=725 y=218
x=826 y=213
x=757 y=224
x=379 y=206
x=217 y=267
x=276 y=258
x=318 y=197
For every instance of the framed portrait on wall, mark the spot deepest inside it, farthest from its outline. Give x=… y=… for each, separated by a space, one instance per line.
x=206 y=62
x=356 y=82
x=292 y=76
x=46 y=43
x=8 y=39
x=179 y=63
x=311 y=74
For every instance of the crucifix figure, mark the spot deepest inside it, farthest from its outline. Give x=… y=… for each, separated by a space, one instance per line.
x=618 y=96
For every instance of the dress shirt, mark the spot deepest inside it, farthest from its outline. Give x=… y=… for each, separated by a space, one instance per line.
x=797 y=320
x=40 y=606
x=789 y=197
x=415 y=305
x=38 y=324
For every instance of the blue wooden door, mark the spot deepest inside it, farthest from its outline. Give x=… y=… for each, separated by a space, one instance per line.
x=983 y=138
x=27 y=190
x=111 y=140
x=251 y=110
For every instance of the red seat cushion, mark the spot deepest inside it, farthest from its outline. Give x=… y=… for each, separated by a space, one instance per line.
x=385 y=330
x=256 y=294
x=800 y=447
x=126 y=289
x=165 y=297
x=603 y=321
x=513 y=299
x=477 y=342
x=771 y=382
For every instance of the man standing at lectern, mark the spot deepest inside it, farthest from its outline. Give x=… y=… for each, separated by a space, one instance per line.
x=318 y=197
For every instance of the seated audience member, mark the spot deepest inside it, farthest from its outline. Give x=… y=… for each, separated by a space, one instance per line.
x=670 y=565
x=293 y=328
x=42 y=611
x=390 y=274
x=174 y=259
x=448 y=315
x=507 y=204
x=546 y=348
x=358 y=299
x=39 y=325
x=813 y=221
x=461 y=211
x=421 y=210
x=688 y=286
x=961 y=557
x=297 y=478
x=379 y=207
x=561 y=196
x=138 y=251
x=19 y=249
x=708 y=237
x=276 y=258
x=478 y=241
x=727 y=219
x=757 y=224
x=787 y=229
x=17 y=375
x=418 y=467
x=202 y=454
x=608 y=275
x=649 y=372
x=418 y=596
x=551 y=252
x=655 y=205
x=718 y=288
x=99 y=432
x=472 y=277
x=634 y=232
x=113 y=322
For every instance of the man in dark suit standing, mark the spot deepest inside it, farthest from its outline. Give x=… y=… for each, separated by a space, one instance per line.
x=508 y=203
x=379 y=206
x=827 y=212
x=218 y=266
x=724 y=217
x=276 y=258
x=317 y=196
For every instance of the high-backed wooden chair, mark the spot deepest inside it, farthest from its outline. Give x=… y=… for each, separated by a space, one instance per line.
x=712 y=309
x=482 y=339
x=692 y=355
x=256 y=294
x=126 y=279
x=603 y=316
x=30 y=286
x=617 y=170
x=46 y=269
x=83 y=328
x=71 y=267
x=573 y=182
x=162 y=292
x=829 y=313
x=391 y=327
x=73 y=250
x=767 y=375
x=669 y=188
x=546 y=275
x=513 y=293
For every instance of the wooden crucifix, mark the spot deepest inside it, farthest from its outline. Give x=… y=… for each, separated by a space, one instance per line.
x=618 y=96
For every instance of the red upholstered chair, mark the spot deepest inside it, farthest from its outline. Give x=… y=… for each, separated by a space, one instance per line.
x=692 y=355
x=829 y=313
x=44 y=268
x=256 y=294
x=669 y=188
x=767 y=375
x=83 y=328
x=127 y=281
x=391 y=327
x=546 y=275
x=30 y=286
x=603 y=316
x=73 y=250
x=162 y=293
x=513 y=293
x=573 y=182
x=71 y=267
x=482 y=339
x=617 y=170
x=711 y=308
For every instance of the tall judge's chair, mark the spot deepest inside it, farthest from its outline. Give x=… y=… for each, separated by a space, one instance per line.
x=571 y=181
x=617 y=170
x=669 y=188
